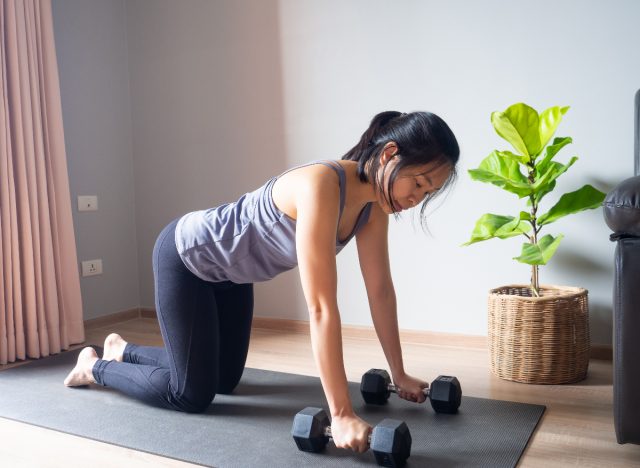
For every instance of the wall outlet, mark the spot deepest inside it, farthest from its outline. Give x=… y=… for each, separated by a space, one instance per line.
x=92 y=267
x=88 y=203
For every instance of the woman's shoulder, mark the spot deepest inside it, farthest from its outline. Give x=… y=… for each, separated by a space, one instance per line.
x=316 y=180
x=311 y=172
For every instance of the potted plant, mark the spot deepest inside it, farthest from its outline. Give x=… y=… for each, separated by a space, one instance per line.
x=537 y=333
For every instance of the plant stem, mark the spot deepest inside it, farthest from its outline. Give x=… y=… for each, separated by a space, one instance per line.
x=535 y=285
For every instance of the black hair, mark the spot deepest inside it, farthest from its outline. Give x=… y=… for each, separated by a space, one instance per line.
x=421 y=138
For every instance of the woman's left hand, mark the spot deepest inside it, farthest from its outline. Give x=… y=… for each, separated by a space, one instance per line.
x=410 y=388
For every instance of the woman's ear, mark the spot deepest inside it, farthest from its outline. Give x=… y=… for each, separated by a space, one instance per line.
x=388 y=152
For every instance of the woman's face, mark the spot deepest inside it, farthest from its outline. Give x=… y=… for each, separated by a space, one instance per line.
x=411 y=185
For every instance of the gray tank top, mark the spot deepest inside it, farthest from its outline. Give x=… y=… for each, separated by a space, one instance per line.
x=249 y=240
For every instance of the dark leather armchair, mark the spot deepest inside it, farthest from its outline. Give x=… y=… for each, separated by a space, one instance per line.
x=622 y=214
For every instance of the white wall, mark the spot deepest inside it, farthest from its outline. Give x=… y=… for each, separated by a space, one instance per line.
x=207 y=109
x=91 y=48
x=225 y=94
x=345 y=61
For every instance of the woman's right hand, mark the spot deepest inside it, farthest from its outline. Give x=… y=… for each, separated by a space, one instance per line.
x=350 y=432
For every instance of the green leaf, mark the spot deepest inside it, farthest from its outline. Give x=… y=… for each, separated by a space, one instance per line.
x=519 y=125
x=543 y=191
x=525 y=216
x=492 y=225
x=516 y=157
x=551 y=151
x=503 y=172
x=540 y=253
x=585 y=198
x=515 y=227
x=553 y=171
x=549 y=121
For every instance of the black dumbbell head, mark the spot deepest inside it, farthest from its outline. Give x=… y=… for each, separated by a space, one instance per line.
x=391 y=443
x=374 y=386
x=445 y=394
x=309 y=429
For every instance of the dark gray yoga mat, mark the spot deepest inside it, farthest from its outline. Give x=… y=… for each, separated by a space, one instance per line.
x=251 y=428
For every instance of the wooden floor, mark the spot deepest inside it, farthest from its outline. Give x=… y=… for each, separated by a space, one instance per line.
x=576 y=430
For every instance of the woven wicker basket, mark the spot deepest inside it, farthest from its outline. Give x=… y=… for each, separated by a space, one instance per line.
x=539 y=340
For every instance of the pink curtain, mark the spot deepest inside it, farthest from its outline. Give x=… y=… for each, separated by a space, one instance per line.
x=40 y=302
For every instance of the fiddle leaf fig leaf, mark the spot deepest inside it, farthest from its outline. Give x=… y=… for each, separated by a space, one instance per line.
x=549 y=121
x=516 y=157
x=582 y=199
x=541 y=252
x=503 y=172
x=542 y=192
x=513 y=228
x=553 y=171
x=525 y=216
x=492 y=225
x=519 y=125
x=550 y=152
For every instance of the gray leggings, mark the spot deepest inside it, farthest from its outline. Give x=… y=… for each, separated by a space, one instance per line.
x=205 y=328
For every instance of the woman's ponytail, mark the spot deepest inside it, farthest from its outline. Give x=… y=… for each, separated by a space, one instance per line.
x=369 y=136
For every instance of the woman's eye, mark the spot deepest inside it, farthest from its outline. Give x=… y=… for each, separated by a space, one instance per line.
x=417 y=184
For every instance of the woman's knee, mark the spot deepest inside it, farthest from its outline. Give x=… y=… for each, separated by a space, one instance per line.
x=194 y=402
x=230 y=374
x=228 y=386
x=198 y=407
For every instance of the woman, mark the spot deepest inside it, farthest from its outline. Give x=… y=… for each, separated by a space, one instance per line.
x=206 y=261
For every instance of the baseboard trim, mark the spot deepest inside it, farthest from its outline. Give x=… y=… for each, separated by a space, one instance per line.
x=148 y=312
x=369 y=333
x=111 y=319
x=598 y=351
x=601 y=352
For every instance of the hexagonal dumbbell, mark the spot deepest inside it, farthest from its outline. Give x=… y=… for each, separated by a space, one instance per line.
x=390 y=440
x=445 y=392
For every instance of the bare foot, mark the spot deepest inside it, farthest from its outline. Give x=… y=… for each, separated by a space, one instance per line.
x=82 y=374
x=113 y=348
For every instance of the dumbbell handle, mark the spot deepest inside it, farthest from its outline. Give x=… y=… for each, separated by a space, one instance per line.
x=327 y=433
x=393 y=388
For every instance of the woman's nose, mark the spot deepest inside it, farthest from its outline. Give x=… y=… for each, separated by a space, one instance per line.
x=416 y=198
